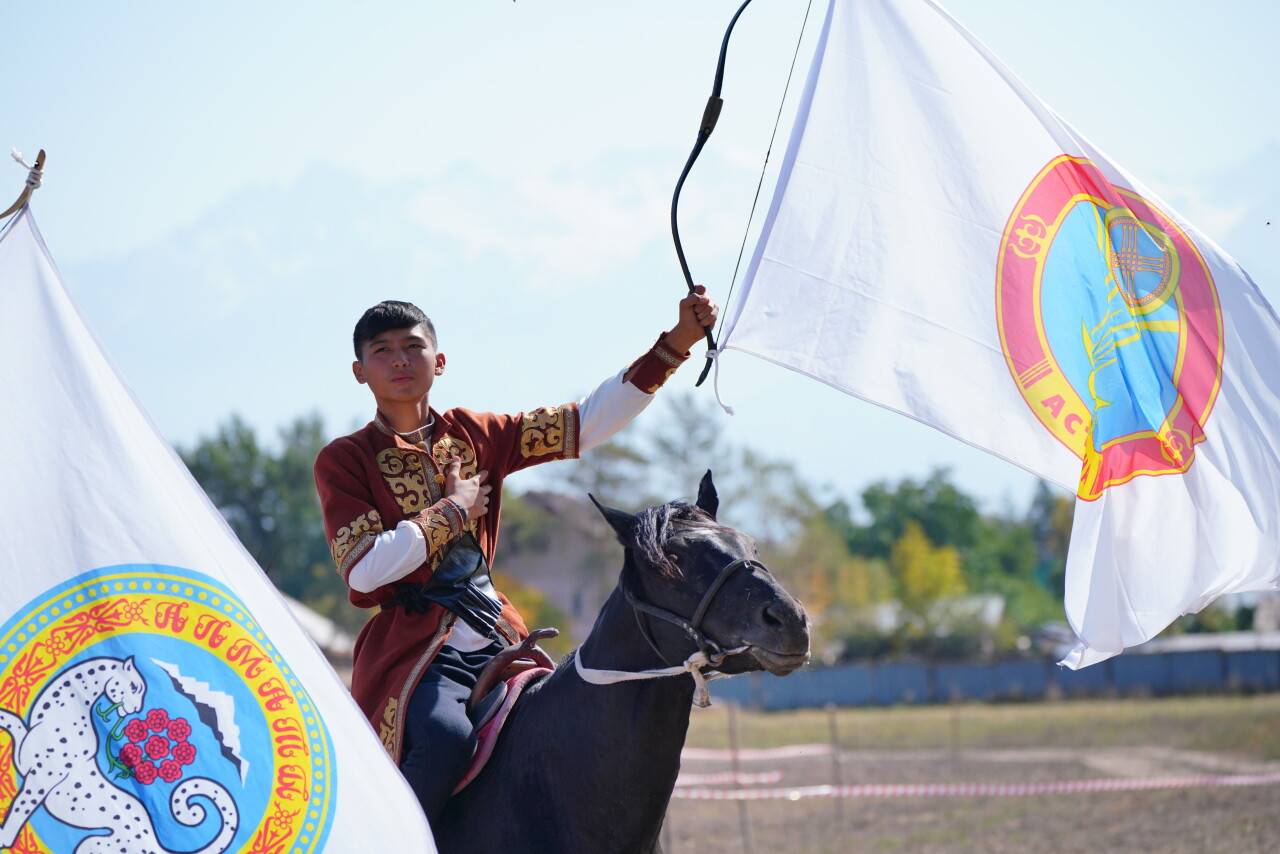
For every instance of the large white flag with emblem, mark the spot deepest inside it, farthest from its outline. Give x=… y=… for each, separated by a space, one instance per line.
x=941 y=243
x=155 y=690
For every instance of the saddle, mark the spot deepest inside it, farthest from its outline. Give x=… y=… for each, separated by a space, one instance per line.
x=501 y=683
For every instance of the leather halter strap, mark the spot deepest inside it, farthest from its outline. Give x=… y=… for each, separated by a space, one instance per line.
x=692 y=626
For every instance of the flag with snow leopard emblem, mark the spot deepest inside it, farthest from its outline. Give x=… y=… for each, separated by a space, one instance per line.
x=156 y=694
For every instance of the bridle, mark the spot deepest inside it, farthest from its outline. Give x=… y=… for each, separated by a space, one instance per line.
x=710 y=653
x=714 y=651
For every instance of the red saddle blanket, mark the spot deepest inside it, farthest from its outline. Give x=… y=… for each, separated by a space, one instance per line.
x=487 y=735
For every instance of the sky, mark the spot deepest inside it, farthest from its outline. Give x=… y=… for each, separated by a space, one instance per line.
x=229 y=185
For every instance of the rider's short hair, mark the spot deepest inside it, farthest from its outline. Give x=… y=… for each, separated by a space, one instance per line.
x=386 y=316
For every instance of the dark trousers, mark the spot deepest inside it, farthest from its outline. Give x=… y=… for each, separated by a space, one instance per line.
x=438 y=742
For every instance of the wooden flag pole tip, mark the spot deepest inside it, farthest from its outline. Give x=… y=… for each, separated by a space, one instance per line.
x=34 y=175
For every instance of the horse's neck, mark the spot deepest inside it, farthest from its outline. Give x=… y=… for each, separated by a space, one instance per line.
x=634 y=731
x=582 y=768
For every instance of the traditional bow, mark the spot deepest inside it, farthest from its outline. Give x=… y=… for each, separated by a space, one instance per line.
x=709 y=117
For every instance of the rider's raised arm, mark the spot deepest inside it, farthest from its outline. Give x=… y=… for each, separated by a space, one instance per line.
x=655 y=367
x=562 y=432
x=619 y=399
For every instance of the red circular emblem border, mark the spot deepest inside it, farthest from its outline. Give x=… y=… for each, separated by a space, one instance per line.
x=1024 y=248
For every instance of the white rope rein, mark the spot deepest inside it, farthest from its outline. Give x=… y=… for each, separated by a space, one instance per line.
x=693 y=665
x=714 y=355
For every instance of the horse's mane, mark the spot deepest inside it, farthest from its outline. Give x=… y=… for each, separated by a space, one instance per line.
x=656 y=525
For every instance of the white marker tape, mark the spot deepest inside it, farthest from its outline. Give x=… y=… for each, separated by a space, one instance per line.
x=762 y=778
x=973 y=790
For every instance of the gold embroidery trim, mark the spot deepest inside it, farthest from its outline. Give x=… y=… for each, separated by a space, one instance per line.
x=571 y=432
x=444 y=450
x=437 y=529
x=351 y=542
x=667 y=355
x=387 y=726
x=548 y=431
x=406 y=476
x=451 y=509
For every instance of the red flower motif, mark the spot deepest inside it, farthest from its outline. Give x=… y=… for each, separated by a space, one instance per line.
x=136 y=730
x=157 y=747
x=145 y=773
x=179 y=729
x=170 y=771
x=130 y=755
x=157 y=720
x=184 y=752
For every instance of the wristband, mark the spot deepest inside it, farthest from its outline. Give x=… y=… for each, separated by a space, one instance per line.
x=461 y=512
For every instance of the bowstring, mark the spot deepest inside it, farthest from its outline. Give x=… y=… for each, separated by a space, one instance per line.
x=763 y=170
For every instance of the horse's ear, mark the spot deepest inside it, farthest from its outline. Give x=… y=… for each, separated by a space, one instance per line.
x=622 y=522
x=708 y=500
x=129 y=665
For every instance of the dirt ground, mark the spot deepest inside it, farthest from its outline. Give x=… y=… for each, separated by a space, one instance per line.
x=1097 y=740
x=1197 y=820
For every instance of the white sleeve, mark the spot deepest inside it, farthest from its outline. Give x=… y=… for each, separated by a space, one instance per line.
x=608 y=409
x=394 y=554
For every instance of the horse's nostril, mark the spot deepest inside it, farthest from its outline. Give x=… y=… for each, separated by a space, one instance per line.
x=771 y=616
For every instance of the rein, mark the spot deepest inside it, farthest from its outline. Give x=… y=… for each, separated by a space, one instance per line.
x=709 y=654
x=693 y=665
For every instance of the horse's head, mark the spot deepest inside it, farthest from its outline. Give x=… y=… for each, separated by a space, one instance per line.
x=698 y=584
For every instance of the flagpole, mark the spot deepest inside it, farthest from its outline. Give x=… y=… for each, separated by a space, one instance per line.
x=34 y=175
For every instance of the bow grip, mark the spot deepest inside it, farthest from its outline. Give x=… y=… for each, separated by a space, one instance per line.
x=711 y=115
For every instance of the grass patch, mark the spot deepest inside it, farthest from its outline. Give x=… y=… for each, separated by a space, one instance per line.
x=1243 y=726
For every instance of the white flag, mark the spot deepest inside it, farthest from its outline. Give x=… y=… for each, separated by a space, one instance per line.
x=154 y=688
x=942 y=244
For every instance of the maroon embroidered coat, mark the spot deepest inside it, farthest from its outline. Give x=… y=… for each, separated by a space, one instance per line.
x=373 y=479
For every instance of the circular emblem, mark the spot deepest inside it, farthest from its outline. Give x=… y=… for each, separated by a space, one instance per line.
x=144 y=705
x=1110 y=325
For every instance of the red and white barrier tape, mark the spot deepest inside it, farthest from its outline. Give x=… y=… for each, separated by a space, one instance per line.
x=762 y=778
x=986 y=790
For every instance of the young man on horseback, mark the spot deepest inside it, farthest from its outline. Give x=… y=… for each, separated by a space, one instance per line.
x=411 y=507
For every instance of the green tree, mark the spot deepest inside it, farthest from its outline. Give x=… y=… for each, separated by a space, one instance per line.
x=616 y=473
x=268 y=497
x=924 y=573
x=1050 y=518
x=766 y=497
x=1003 y=560
x=525 y=526
x=948 y=516
x=685 y=443
x=816 y=566
x=835 y=586
x=1018 y=558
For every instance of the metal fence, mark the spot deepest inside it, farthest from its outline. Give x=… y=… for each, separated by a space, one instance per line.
x=1151 y=675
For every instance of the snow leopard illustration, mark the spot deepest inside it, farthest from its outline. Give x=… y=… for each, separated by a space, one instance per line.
x=56 y=754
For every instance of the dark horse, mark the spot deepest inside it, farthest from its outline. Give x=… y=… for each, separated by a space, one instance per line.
x=587 y=768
